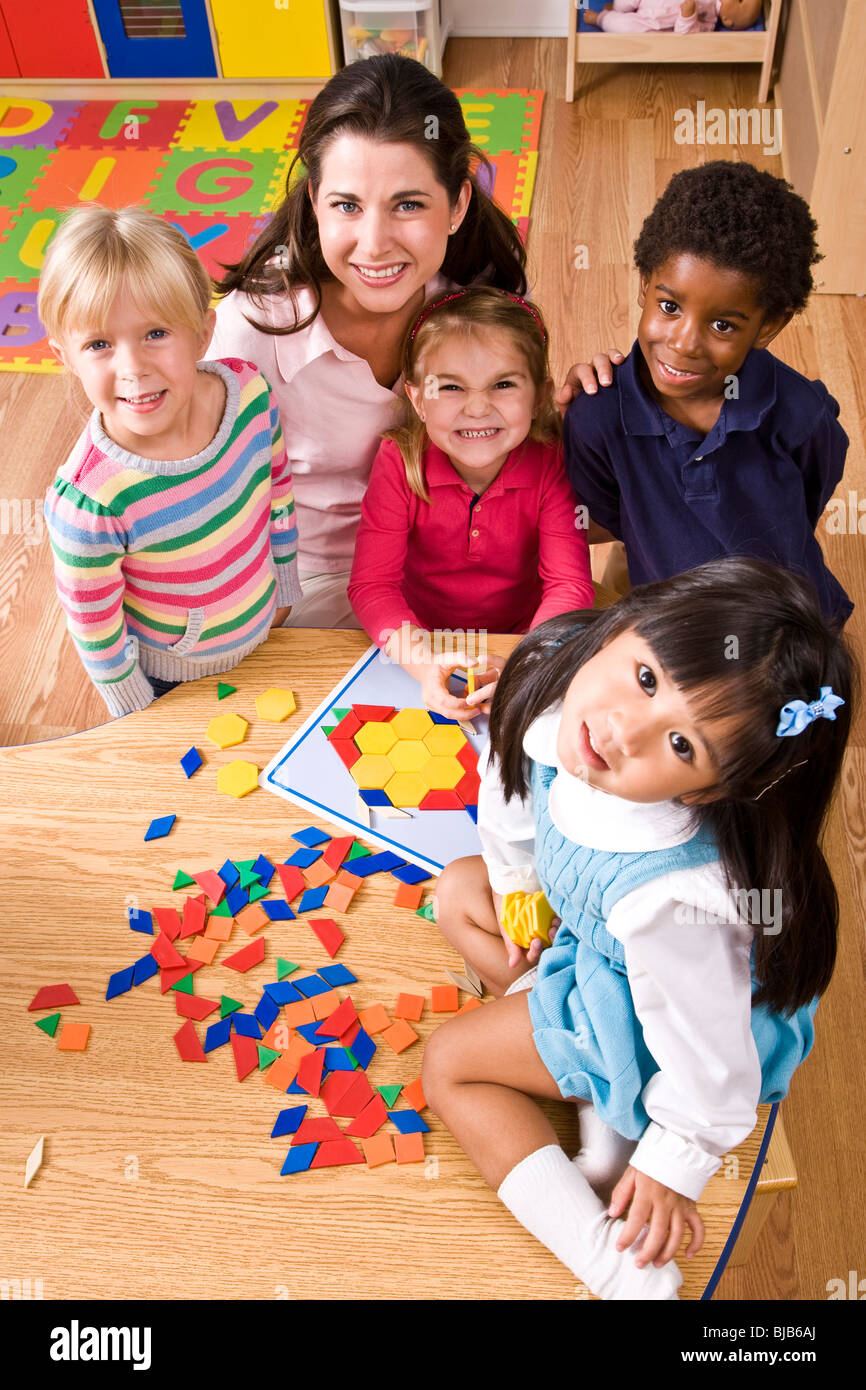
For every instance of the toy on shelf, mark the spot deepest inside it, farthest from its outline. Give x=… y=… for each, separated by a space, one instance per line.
x=682 y=16
x=369 y=42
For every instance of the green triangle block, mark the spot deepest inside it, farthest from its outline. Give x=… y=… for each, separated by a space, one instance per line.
x=182 y=880
x=328 y=729
x=223 y=690
x=184 y=986
x=266 y=1056
x=339 y=714
x=352 y=1058
x=243 y=865
x=222 y=910
x=228 y=1006
x=389 y=1094
x=357 y=851
x=48 y=1025
x=260 y=890
x=426 y=912
x=284 y=967
x=248 y=878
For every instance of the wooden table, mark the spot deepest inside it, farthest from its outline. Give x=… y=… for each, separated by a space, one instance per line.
x=160 y=1179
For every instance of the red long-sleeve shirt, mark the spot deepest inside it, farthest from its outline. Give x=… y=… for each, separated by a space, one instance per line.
x=503 y=563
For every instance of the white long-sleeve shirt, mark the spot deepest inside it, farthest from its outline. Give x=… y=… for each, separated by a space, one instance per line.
x=687 y=955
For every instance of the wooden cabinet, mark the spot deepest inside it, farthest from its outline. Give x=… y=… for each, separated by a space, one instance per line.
x=822 y=96
x=48 y=38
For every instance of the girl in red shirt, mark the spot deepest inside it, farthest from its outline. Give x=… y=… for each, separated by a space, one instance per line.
x=469 y=524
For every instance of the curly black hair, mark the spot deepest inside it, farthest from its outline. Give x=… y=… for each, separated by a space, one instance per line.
x=742 y=219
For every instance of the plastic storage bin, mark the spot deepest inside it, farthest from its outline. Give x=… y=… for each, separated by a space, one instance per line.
x=410 y=27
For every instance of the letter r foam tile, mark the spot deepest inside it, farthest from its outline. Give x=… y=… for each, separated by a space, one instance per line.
x=53 y=997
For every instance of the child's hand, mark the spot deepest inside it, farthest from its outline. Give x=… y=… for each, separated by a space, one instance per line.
x=587 y=377
x=433 y=675
x=687 y=9
x=516 y=954
x=666 y=1212
x=486 y=678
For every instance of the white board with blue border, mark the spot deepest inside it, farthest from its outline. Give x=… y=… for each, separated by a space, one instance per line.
x=308 y=772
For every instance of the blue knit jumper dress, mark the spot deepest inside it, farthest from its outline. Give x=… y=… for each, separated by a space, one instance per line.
x=585 y=1026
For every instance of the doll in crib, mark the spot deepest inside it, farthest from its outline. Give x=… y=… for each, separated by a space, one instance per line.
x=682 y=16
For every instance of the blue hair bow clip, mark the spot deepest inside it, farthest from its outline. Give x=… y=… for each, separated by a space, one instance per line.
x=797 y=715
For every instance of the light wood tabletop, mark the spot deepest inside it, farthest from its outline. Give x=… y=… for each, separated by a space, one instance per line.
x=159 y=1178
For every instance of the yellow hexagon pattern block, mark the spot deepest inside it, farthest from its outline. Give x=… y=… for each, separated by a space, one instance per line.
x=411 y=723
x=227 y=730
x=372 y=771
x=375 y=738
x=408 y=755
x=406 y=788
x=442 y=774
x=445 y=740
x=238 y=778
x=275 y=704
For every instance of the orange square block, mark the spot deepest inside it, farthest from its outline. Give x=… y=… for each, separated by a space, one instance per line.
x=203 y=948
x=408 y=895
x=445 y=999
x=469 y=1006
x=400 y=1036
x=374 y=1019
x=409 y=1006
x=252 y=918
x=409 y=1148
x=349 y=880
x=299 y=1012
x=379 y=1149
x=318 y=874
x=413 y=1096
x=73 y=1037
x=338 y=897
x=282 y=1072
x=277 y=1036
x=219 y=929
x=324 y=1004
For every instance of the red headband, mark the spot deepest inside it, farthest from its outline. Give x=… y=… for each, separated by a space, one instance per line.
x=458 y=294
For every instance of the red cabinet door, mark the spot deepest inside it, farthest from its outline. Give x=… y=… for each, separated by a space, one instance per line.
x=8 y=65
x=52 y=38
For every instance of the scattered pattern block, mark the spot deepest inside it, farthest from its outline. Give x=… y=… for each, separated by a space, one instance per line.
x=214 y=884
x=34 y=1161
x=53 y=997
x=409 y=1006
x=144 y=969
x=289 y=1121
x=371 y=1118
x=375 y=1019
x=328 y=933
x=48 y=1025
x=218 y=1034
x=400 y=1036
x=247 y=956
x=408 y=1121
x=187 y=1043
x=313 y=899
x=389 y=1094
x=191 y=761
x=159 y=828
x=298 y=1159
x=409 y=1148
x=445 y=999
x=120 y=982
x=275 y=704
x=227 y=730
x=194 y=1006
x=336 y=1152
x=413 y=1096
x=408 y=895
x=223 y=690
x=142 y=921
x=378 y=1150
x=246 y=1055
x=238 y=778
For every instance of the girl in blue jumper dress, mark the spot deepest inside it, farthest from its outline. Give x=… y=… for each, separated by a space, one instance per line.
x=662 y=771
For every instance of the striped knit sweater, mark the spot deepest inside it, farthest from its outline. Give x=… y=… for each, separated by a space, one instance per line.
x=174 y=568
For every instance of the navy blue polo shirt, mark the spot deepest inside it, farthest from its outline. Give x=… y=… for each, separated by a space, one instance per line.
x=755 y=485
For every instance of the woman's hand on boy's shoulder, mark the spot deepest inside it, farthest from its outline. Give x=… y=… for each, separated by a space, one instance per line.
x=588 y=376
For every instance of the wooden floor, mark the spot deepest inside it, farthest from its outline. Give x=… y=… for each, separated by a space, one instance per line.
x=603 y=162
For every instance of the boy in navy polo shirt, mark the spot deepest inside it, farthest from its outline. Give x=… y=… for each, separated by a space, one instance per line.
x=706 y=444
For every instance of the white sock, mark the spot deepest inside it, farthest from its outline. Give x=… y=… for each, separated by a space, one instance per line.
x=551 y=1198
x=604 y=1154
